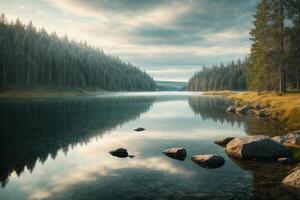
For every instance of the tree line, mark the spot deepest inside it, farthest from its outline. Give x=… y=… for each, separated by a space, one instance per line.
x=31 y=58
x=275 y=51
x=220 y=77
x=274 y=60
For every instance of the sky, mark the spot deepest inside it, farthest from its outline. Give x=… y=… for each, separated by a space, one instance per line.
x=170 y=39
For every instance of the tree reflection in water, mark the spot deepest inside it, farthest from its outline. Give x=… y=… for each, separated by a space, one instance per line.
x=213 y=108
x=31 y=130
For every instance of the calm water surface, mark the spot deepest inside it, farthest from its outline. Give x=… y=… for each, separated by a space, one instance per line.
x=58 y=149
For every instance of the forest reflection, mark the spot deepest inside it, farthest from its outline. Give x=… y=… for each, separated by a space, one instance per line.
x=214 y=108
x=31 y=131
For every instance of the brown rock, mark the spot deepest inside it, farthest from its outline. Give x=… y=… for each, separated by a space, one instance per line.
x=209 y=161
x=292 y=180
x=176 y=153
x=256 y=147
x=223 y=142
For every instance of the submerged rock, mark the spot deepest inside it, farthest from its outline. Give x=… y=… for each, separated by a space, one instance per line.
x=292 y=180
x=176 y=153
x=121 y=153
x=209 y=161
x=223 y=142
x=256 y=147
x=139 y=129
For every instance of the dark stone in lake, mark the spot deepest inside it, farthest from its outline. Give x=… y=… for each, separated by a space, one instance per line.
x=209 y=161
x=223 y=142
x=176 y=153
x=121 y=153
x=139 y=129
x=256 y=147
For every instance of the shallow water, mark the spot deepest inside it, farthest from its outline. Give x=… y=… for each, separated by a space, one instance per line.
x=58 y=149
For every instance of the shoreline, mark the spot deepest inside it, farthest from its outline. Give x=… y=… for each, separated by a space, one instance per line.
x=284 y=108
x=27 y=94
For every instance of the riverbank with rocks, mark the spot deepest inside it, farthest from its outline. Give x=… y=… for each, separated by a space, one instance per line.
x=283 y=108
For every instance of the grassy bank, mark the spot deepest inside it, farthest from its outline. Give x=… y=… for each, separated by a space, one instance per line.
x=219 y=93
x=283 y=107
x=44 y=93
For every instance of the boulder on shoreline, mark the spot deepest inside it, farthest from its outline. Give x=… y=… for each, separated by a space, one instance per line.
x=290 y=140
x=256 y=147
x=139 y=129
x=231 y=109
x=257 y=106
x=175 y=153
x=223 y=142
x=262 y=113
x=121 y=153
x=292 y=180
x=243 y=110
x=209 y=161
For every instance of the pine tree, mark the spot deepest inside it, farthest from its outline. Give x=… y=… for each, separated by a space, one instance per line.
x=31 y=59
x=260 y=65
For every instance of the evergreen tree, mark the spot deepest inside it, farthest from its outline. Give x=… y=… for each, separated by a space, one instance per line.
x=230 y=77
x=31 y=59
x=274 y=58
x=260 y=64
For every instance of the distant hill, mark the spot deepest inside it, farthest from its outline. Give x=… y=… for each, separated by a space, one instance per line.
x=170 y=85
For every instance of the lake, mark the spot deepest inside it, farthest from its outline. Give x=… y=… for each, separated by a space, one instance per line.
x=57 y=148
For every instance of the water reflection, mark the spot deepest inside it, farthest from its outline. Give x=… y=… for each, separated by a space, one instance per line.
x=213 y=108
x=267 y=179
x=33 y=130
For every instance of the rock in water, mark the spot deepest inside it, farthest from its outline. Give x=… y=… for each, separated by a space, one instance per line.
x=243 y=110
x=209 y=161
x=176 y=153
x=121 y=153
x=262 y=113
x=223 y=142
x=293 y=139
x=237 y=103
x=290 y=140
x=292 y=180
x=230 y=109
x=256 y=147
x=139 y=129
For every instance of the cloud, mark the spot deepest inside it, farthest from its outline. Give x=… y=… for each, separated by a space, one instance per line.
x=161 y=33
